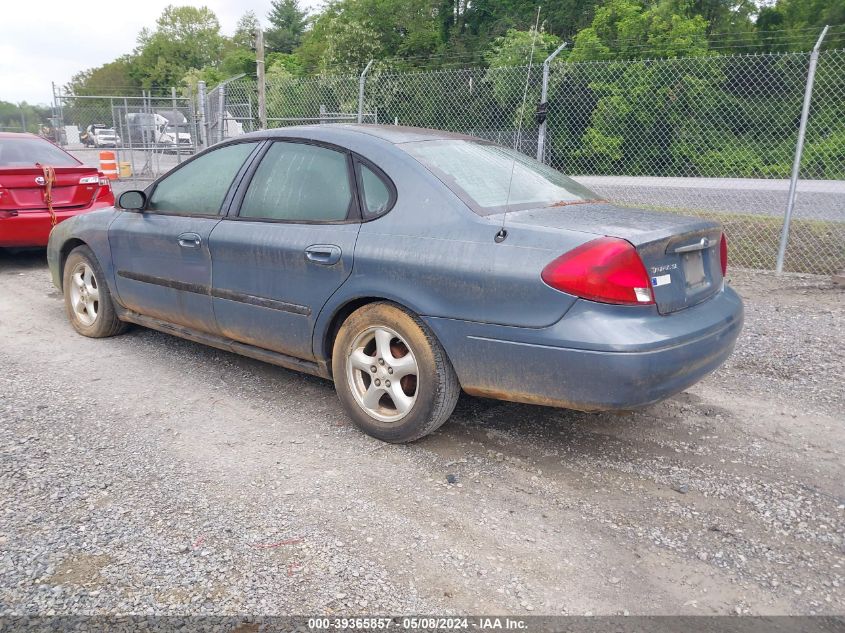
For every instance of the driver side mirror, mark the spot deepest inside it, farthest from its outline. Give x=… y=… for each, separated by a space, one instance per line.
x=132 y=200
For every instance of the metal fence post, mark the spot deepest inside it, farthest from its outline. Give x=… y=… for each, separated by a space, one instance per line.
x=116 y=145
x=176 y=124
x=221 y=114
x=259 y=73
x=201 y=112
x=60 y=112
x=129 y=139
x=541 y=134
x=361 y=82
x=799 y=150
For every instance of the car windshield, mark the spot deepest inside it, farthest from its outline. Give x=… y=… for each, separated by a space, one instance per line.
x=480 y=174
x=27 y=151
x=105 y=132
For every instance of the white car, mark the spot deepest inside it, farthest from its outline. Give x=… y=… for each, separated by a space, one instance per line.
x=104 y=137
x=170 y=134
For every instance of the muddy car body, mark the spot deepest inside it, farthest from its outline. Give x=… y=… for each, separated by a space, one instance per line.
x=423 y=262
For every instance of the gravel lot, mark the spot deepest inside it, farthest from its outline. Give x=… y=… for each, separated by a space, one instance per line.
x=145 y=474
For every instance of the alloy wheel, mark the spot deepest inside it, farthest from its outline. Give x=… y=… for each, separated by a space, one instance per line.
x=382 y=374
x=84 y=294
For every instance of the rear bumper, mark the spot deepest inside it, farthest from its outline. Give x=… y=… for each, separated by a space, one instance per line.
x=597 y=357
x=32 y=228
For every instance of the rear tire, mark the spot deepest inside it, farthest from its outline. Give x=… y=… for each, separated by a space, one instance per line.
x=378 y=343
x=88 y=301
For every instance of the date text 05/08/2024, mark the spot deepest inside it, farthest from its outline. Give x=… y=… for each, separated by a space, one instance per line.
x=417 y=623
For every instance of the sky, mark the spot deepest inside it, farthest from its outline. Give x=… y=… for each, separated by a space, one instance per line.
x=52 y=40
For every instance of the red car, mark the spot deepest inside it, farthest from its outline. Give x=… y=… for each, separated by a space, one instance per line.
x=25 y=217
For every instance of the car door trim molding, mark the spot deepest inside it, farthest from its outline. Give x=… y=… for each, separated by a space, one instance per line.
x=218 y=293
x=199 y=289
x=261 y=302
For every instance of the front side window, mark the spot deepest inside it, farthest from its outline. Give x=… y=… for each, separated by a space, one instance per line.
x=298 y=182
x=200 y=186
x=480 y=174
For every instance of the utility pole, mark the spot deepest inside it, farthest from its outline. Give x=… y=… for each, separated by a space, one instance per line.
x=259 y=72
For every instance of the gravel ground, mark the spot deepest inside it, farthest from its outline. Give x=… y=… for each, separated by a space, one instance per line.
x=145 y=474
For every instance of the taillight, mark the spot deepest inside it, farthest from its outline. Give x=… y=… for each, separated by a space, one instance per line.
x=723 y=255
x=606 y=269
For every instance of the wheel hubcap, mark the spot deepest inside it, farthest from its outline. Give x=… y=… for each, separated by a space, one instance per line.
x=84 y=294
x=382 y=374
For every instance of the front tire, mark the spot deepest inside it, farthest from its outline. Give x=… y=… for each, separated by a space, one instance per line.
x=88 y=301
x=392 y=375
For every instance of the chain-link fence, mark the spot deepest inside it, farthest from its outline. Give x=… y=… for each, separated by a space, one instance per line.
x=148 y=134
x=716 y=137
x=708 y=136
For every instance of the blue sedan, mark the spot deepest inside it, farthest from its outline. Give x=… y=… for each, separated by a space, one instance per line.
x=406 y=265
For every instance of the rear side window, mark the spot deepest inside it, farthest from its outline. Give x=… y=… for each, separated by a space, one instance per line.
x=26 y=151
x=375 y=192
x=200 y=186
x=299 y=183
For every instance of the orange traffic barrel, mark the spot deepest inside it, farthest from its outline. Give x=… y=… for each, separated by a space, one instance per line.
x=108 y=165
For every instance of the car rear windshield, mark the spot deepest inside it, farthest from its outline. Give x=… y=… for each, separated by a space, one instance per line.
x=480 y=174
x=26 y=152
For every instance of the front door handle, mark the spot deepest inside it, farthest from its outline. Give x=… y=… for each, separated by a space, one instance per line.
x=325 y=254
x=189 y=240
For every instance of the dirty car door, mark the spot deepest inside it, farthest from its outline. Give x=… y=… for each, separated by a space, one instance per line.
x=161 y=258
x=288 y=248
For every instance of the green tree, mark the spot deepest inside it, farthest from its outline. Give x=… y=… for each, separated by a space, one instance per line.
x=113 y=78
x=287 y=63
x=245 y=29
x=727 y=20
x=184 y=38
x=514 y=48
x=23 y=117
x=238 y=61
x=629 y=29
x=389 y=29
x=800 y=21
x=287 y=24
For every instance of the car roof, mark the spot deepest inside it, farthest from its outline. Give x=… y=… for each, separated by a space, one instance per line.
x=395 y=134
x=18 y=135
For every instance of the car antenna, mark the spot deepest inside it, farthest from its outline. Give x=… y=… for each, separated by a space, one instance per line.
x=502 y=234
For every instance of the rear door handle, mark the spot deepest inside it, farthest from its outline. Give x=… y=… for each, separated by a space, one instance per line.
x=189 y=240
x=325 y=254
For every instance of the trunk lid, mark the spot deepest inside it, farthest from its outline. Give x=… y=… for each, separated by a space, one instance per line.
x=680 y=253
x=20 y=191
